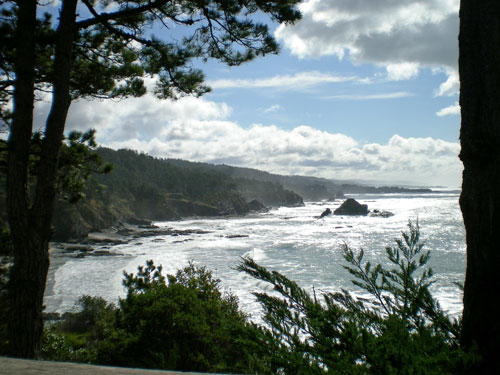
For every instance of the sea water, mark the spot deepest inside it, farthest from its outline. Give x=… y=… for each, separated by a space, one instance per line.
x=293 y=241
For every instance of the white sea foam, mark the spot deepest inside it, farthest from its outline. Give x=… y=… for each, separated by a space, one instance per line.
x=290 y=240
x=256 y=254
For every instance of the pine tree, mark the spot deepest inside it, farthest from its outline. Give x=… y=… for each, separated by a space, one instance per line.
x=101 y=49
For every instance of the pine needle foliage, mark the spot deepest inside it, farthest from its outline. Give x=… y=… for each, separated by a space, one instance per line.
x=400 y=329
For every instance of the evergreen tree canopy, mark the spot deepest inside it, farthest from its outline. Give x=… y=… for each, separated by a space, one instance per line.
x=117 y=44
x=98 y=49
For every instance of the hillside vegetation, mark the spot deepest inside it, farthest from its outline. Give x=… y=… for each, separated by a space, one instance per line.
x=309 y=188
x=142 y=187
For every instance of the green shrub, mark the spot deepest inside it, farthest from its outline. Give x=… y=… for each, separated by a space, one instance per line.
x=95 y=316
x=400 y=330
x=57 y=347
x=181 y=322
x=74 y=338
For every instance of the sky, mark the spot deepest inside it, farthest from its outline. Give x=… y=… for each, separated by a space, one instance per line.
x=362 y=89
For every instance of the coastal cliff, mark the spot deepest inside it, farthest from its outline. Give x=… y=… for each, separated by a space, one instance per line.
x=142 y=188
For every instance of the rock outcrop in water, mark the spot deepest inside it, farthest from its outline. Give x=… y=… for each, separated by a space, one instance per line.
x=380 y=213
x=325 y=213
x=352 y=207
x=257 y=206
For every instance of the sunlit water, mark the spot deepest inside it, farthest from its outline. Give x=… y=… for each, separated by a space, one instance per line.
x=290 y=240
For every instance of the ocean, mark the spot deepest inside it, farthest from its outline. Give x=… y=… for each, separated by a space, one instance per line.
x=293 y=241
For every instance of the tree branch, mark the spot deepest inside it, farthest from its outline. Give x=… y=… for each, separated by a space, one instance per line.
x=128 y=12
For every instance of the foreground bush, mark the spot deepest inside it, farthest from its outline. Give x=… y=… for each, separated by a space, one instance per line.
x=182 y=322
x=77 y=335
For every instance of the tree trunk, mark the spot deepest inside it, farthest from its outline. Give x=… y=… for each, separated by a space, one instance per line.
x=25 y=328
x=30 y=223
x=479 y=65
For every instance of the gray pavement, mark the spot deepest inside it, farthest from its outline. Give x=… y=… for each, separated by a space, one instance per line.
x=14 y=366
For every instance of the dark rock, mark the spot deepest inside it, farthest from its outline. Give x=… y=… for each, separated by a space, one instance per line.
x=380 y=213
x=80 y=248
x=148 y=226
x=167 y=232
x=153 y=206
x=232 y=205
x=107 y=241
x=294 y=201
x=236 y=236
x=272 y=195
x=103 y=253
x=325 y=213
x=136 y=221
x=255 y=205
x=352 y=207
x=97 y=253
x=69 y=224
x=124 y=232
x=183 y=241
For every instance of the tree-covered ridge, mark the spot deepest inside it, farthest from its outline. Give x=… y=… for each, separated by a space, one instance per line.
x=308 y=187
x=143 y=187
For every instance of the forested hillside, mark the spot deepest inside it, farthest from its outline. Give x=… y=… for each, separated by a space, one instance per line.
x=309 y=188
x=143 y=187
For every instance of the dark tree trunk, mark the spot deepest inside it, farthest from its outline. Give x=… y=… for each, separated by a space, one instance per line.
x=479 y=65
x=30 y=221
x=25 y=328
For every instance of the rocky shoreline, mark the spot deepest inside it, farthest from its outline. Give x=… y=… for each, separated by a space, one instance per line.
x=100 y=243
x=78 y=221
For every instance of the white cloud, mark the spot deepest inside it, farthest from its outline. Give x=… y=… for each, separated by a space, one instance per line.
x=200 y=130
x=401 y=35
x=451 y=86
x=273 y=108
x=389 y=95
x=403 y=71
x=451 y=110
x=140 y=118
x=297 y=81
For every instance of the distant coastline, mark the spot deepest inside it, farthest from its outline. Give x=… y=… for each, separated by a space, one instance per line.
x=142 y=189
